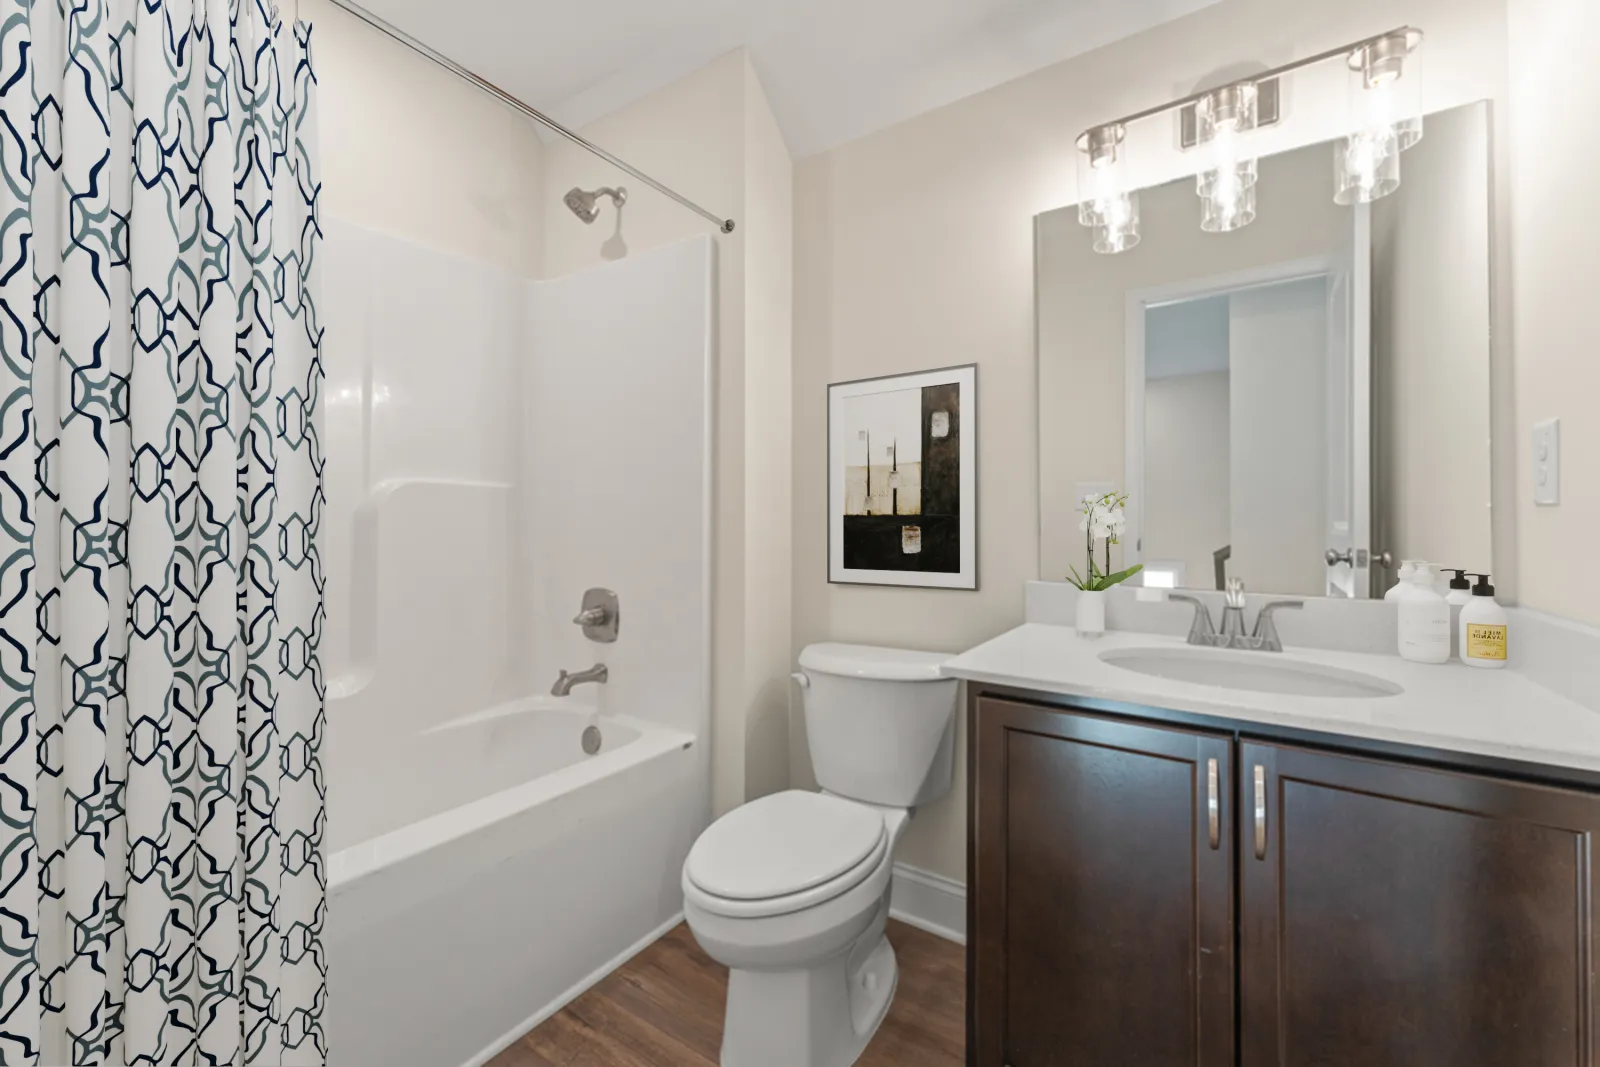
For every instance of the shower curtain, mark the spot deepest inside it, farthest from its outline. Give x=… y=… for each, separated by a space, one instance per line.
x=161 y=701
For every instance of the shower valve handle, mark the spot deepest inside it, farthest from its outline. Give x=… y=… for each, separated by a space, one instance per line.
x=591 y=617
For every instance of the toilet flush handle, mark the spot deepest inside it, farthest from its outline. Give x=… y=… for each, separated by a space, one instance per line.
x=801 y=680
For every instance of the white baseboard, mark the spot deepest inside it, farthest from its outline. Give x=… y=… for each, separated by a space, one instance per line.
x=930 y=902
x=505 y=1040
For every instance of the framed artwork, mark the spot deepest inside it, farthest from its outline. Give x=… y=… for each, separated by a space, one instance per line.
x=903 y=480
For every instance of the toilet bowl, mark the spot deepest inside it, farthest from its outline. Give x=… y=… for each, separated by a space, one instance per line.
x=791 y=891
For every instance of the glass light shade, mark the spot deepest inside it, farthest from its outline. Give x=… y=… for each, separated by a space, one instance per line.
x=1227 y=188
x=1231 y=205
x=1118 y=229
x=1241 y=174
x=1366 y=167
x=1386 y=88
x=1102 y=173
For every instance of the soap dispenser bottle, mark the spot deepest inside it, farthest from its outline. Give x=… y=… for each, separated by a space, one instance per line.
x=1457 y=596
x=1424 y=619
x=1484 y=622
x=1408 y=568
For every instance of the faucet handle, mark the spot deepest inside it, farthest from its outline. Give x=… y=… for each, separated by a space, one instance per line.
x=1266 y=632
x=1202 y=630
x=600 y=616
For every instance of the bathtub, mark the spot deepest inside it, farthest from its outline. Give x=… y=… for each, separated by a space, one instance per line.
x=484 y=872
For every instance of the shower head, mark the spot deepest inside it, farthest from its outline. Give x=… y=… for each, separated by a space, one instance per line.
x=586 y=203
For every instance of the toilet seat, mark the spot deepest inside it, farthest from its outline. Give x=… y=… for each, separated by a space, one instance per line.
x=784 y=853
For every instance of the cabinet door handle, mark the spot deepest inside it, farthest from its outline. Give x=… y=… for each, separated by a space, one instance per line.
x=1261 y=812
x=1213 y=804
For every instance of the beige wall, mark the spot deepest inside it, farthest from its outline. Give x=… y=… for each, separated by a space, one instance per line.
x=914 y=249
x=1554 y=77
x=411 y=150
x=711 y=136
x=769 y=405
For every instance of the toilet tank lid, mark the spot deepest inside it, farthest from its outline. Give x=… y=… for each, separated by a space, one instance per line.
x=866 y=661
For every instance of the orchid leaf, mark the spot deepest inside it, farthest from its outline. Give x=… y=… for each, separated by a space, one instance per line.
x=1107 y=581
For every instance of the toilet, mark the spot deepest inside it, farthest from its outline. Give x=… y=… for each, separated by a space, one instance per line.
x=791 y=891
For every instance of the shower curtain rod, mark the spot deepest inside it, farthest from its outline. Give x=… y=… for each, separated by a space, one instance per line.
x=434 y=56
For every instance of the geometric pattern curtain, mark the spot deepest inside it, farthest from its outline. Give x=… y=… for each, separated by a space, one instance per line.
x=162 y=881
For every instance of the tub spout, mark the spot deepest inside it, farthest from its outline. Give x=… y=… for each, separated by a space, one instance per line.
x=598 y=673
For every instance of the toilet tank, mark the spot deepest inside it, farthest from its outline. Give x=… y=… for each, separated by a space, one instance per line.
x=880 y=723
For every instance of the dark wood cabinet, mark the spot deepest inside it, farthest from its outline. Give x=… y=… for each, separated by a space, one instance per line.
x=1104 y=897
x=1316 y=908
x=1396 y=916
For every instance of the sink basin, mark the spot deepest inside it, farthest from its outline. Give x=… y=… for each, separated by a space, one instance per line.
x=1258 y=672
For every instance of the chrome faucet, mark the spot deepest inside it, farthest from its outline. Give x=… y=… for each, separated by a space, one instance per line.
x=1264 y=638
x=598 y=673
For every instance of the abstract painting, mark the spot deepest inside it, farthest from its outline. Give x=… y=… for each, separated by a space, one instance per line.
x=902 y=480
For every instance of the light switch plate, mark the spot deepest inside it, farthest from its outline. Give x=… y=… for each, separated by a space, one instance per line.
x=1547 y=463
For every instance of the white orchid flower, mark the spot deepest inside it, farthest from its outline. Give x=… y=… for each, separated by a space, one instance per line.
x=1104 y=521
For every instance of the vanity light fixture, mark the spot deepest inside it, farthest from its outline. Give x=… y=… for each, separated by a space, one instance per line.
x=1387 y=106
x=1227 y=189
x=1387 y=82
x=1386 y=95
x=1110 y=208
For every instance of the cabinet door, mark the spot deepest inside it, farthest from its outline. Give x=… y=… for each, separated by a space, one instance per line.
x=1394 y=916
x=1103 y=893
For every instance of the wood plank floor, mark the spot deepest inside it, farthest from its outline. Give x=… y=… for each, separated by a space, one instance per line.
x=664 y=1009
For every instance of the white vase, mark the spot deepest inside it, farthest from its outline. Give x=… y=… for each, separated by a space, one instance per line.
x=1091 y=613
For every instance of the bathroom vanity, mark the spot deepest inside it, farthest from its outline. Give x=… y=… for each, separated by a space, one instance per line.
x=1165 y=872
x=1325 y=857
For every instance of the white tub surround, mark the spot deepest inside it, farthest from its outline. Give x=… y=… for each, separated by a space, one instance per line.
x=1501 y=715
x=493 y=444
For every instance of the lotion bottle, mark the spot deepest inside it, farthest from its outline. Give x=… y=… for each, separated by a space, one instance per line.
x=1407 y=569
x=1484 y=623
x=1424 y=620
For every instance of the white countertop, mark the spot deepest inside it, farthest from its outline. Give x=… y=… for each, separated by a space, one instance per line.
x=1451 y=707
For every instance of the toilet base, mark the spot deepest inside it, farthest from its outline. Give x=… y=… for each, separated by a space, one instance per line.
x=823 y=1016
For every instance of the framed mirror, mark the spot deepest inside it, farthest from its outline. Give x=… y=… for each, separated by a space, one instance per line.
x=1302 y=403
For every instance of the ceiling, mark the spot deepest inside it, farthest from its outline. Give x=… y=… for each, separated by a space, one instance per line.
x=834 y=70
